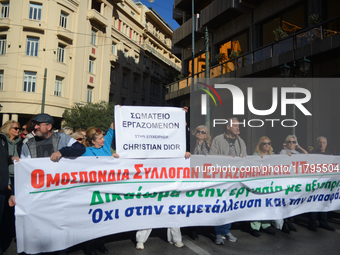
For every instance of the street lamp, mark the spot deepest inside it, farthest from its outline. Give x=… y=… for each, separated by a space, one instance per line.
x=304 y=65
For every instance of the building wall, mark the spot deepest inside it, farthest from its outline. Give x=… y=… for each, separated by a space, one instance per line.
x=86 y=20
x=138 y=79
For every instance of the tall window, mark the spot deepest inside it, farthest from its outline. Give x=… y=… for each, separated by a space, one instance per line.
x=93 y=36
x=29 y=81
x=89 y=94
x=136 y=59
x=124 y=80
x=5 y=10
x=61 y=53
x=35 y=11
x=130 y=33
x=126 y=53
x=135 y=84
x=58 y=86
x=3 y=45
x=32 y=46
x=113 y=48
x=91 y=64
x=1 y=79
x=63 y=20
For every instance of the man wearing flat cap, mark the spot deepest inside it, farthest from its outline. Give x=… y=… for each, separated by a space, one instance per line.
x=50 y=144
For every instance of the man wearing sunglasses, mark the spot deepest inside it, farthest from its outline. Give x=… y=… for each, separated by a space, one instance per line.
x=228 y=144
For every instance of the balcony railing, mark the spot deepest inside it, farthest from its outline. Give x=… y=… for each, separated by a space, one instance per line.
x=302 y=38
x=161 y=56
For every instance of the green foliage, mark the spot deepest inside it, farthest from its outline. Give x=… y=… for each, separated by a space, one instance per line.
x=98 y=115
x=279 y=34
x=314 y=19
x=179 y=77
x=235 y=54
x=220 y=57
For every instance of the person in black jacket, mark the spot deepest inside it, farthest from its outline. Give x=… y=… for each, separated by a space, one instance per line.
x=12 y=141
x=5 y=161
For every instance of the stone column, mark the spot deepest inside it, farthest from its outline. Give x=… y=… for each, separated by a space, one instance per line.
x=5 y=117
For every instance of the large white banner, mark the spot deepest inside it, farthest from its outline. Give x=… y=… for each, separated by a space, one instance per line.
x=75 y=200
x=150 y=132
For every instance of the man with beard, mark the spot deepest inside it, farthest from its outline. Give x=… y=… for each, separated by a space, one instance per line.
x=49 y=144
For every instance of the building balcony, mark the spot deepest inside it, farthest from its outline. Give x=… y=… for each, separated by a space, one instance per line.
x=97 y=17
x=113 y=58
x=186 y=5
x=220 y=12
x=250 y=3
x=177 y=15
x=5 y=22
x=316 y=43
x=34 y=24
x=66 y=34
x=161 y=57
x=182 y=35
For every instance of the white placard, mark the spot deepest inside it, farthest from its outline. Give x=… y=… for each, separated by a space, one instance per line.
x=150 y=132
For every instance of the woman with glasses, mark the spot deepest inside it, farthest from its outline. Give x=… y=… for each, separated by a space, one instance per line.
x=79 y=137
x=98 y=145
x=263 y=147
x=203 y=140
x=11 y=141
x=292 y=148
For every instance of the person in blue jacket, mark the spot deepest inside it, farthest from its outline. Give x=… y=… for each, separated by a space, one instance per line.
x=98 y=145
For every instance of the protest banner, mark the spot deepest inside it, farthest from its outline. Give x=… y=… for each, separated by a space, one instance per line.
x=75 y=200
x=150 y=132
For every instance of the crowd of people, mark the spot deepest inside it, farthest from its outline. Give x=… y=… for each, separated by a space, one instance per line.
x=37 y=139
x=231 y=144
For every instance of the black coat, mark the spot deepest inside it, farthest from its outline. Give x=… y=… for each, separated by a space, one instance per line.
x=5 y=160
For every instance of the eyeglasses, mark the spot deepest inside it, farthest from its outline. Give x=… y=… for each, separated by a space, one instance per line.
x=39 y=124
x=16 y=128
x=80 y=139
x=266 y=143
x=23 y=129
x=202 y=132
x=294 y=142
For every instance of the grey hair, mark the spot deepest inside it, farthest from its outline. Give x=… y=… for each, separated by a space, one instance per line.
x=317 y=139
x=291 y=136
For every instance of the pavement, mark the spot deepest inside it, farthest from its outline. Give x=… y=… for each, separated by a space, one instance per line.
x=302 y=242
